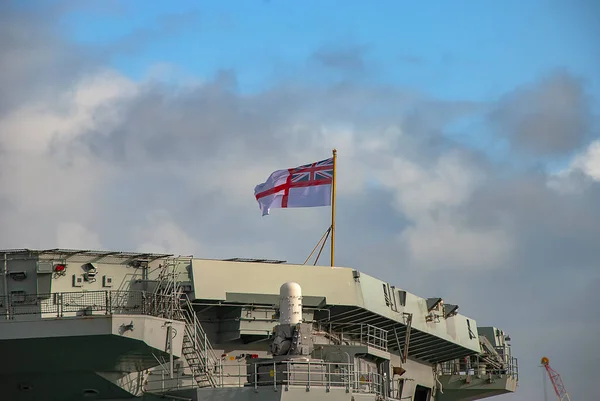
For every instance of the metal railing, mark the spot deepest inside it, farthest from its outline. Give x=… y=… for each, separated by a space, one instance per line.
x=314 y=374
x=67 y=304
x=356 y=333
x=268 y=374
x=197 y=349
x=479 y=365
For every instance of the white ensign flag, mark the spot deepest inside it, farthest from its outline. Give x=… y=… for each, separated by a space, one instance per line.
x=304 y=186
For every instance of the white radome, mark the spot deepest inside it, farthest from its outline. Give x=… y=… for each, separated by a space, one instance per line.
x=290 y=303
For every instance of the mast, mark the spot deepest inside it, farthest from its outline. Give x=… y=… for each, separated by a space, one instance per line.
x=333 y=209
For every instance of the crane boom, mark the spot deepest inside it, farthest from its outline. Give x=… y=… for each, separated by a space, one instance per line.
x=557 y=383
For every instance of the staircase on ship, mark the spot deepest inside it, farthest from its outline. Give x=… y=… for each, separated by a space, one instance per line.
x=173 y=303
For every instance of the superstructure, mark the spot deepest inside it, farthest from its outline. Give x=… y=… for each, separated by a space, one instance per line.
x=102 y=325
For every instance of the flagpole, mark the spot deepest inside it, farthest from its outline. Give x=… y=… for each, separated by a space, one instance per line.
x=333 y=208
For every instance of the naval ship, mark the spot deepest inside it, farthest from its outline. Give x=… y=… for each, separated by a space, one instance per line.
x=110 y=325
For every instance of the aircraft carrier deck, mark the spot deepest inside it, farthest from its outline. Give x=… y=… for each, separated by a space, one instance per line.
x=110 y=325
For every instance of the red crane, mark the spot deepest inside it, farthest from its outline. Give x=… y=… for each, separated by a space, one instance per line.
x=557 y=383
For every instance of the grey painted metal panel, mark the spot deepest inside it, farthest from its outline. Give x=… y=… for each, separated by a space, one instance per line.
x=362 y=298
x=44 y=284
x=146 y=329
x=456 y=388
x=49 y=385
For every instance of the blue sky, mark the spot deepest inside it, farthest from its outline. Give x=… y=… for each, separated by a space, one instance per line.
x=453 y=50
x=472 y=50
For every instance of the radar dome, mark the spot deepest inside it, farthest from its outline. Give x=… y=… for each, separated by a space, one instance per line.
x=290 y=303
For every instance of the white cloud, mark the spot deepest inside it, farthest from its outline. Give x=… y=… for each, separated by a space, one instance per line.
x=48 y=176
x=428 y=195
x=422 y=189
x=71 y=235
x=89 y=104
x=161 y=234
x=67 y=181
x=589 y=161
x=439 y=244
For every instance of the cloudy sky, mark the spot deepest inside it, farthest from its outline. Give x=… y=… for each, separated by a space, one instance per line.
x=467 y=136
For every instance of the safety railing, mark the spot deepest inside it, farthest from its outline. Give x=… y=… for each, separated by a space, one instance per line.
x=356 y=333
x=482 y=366
x=199 y=353
x=510 y=362
x=66 y=304
x=314 y=374
x=304 y=374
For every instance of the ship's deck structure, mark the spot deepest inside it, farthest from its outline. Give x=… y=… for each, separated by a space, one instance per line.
x=78 y=324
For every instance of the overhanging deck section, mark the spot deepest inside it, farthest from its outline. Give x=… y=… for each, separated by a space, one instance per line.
x=341 y=296
x=423 y=346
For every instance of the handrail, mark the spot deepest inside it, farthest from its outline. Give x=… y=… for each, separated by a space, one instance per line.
x=479 y=365
x=363 y=333
x=200 y=342
x=61 y=304
x=196 y=347
x=196 y=323
x=304 y=374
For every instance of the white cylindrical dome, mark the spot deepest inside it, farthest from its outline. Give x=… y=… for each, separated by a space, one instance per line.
x=290 y=303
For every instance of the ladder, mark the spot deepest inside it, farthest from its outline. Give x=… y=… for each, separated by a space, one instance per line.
x=196 y=347
x=165 y=295
x=174 y=304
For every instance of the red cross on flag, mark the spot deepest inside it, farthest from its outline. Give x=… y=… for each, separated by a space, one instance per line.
x=304 y=186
